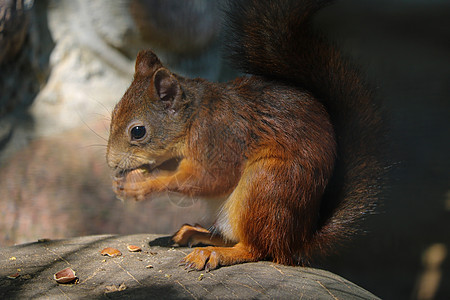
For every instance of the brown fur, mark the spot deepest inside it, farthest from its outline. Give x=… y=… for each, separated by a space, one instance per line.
x=264 y=143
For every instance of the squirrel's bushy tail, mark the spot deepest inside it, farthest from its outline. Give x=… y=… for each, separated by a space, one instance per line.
x=274 y=39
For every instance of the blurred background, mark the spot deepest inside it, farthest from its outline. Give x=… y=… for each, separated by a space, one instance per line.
x=65 y=63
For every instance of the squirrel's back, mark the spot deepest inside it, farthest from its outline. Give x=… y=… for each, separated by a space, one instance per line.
x=274 y=39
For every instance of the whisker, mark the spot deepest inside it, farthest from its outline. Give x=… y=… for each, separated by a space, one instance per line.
x=104 y=117
x=127 y=157
x=104 y=106
x=107 y=128
x=93 y=131
x=93 y=145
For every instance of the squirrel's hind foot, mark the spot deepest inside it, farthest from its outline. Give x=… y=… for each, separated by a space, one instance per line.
x=190 y=236
x=210 y=258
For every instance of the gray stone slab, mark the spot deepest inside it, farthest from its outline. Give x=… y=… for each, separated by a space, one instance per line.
x=128 y=276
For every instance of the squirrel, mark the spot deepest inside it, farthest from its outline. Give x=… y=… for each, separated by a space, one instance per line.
x=290 y=148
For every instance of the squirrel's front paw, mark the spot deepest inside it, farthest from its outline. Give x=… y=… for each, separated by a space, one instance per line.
x=126 y=190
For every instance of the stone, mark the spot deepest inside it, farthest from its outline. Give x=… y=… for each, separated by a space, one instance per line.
x=129 y=275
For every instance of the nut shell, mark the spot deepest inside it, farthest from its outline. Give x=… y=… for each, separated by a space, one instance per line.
x=111 y=252
x=133 y=248
x=65 y=276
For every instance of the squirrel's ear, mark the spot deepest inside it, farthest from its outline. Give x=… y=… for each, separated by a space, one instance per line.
x=146 y=63
x=167 y=87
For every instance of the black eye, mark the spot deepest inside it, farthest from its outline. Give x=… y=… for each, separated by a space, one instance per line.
x=138 y=132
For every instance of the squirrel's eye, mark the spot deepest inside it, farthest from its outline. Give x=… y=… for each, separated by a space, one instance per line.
x=138 y=132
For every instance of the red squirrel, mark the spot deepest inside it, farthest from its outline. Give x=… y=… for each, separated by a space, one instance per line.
x=290 y=148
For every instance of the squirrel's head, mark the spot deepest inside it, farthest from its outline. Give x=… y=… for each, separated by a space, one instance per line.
x=150 y=121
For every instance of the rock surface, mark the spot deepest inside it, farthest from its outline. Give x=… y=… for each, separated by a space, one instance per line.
x=154 y=273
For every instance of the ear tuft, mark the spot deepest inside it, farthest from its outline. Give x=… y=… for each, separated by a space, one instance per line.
x=147 y=63
x=167 y=86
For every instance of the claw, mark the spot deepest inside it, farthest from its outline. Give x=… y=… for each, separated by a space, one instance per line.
x=191 y=267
